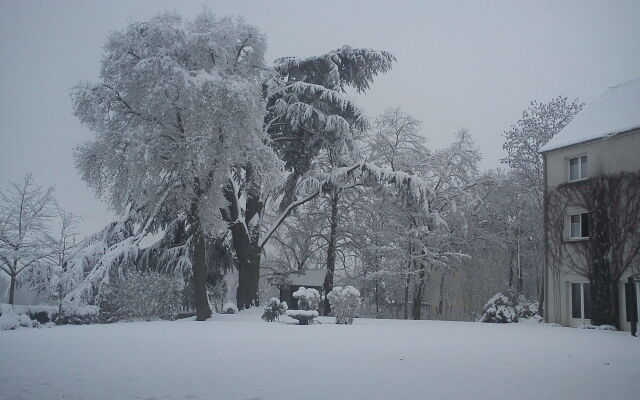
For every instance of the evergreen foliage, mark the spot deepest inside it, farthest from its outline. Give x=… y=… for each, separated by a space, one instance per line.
x=139 y=295
x=274 y=310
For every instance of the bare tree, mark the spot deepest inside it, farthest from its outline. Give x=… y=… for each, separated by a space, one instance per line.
x=25 y=211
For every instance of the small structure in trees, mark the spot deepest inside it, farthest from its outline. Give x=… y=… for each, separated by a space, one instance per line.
x=291 y=282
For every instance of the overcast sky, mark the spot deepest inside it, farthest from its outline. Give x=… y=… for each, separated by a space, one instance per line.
x=472 y=64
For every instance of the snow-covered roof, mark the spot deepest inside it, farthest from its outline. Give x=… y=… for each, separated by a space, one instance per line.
x=617 y=110
x=309 y=277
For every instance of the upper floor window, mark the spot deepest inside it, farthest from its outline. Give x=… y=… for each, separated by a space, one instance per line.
x=577 y=168
x=579 y=226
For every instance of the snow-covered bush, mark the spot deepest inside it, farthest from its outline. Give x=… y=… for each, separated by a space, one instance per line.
x=502 y=308
x=274 y=310
x=9 y=319
x=64 y=314
x=526 y=309
x=308 y=301
x=344 y=302
x=229 y=308
x=499 y=309
x=140 y=295
x=598 y=327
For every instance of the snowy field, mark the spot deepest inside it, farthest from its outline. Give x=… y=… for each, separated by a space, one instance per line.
x=242 y=357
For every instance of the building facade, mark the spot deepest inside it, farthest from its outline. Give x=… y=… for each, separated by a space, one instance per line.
x=602 y=141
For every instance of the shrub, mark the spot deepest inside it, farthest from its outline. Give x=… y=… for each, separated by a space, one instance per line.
x=308 y=301
x=139 y=295
x=274 y=310
x=229 y=308
x=499 y=309
x=46 y=314
x=526 y=309
x=8 y=318
x=344 y=302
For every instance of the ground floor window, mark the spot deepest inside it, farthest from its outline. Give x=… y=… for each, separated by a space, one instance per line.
x=631 y=298
x=581 y=300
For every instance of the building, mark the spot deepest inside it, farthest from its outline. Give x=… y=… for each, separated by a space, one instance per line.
x=601 y=142
x=290 y=282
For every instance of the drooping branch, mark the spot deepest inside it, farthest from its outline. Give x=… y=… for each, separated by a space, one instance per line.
x=284 y=215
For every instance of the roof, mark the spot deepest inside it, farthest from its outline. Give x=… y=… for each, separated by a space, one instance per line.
x=309 y=277
x=616 y=111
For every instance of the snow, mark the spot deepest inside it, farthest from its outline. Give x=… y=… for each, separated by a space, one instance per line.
x=235 y=357
x=300 y=314
x=230 y=308
x=617 y=110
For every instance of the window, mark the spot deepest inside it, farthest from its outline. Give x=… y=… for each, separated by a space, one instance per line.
x=580 y=300
x=579 y=226
x=577 y=168
x=632 y=297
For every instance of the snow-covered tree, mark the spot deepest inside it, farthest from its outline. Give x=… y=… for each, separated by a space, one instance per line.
x=25 y=212
x=499 y=310
x=183 y=109
x=308 y=111
x=179 y=105
x=538 y=124
x=53 y=280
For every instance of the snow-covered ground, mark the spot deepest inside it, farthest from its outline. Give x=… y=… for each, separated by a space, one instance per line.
x=243 y=357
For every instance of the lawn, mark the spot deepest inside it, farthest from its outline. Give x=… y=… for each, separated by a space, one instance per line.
x=243 y=357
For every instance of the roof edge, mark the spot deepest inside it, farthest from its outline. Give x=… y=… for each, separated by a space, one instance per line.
x=606 y=136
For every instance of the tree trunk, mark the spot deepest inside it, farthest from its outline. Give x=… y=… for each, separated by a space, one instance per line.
x=199 y=267
x=377 y=300
x=245 y=234
x=419 y=292
x=406 y=297
x=541 y=300
x=12 y=289
x=248 y=279
x=441 y=301
x=59 y=317
x=519 y=264
x=331 y=251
